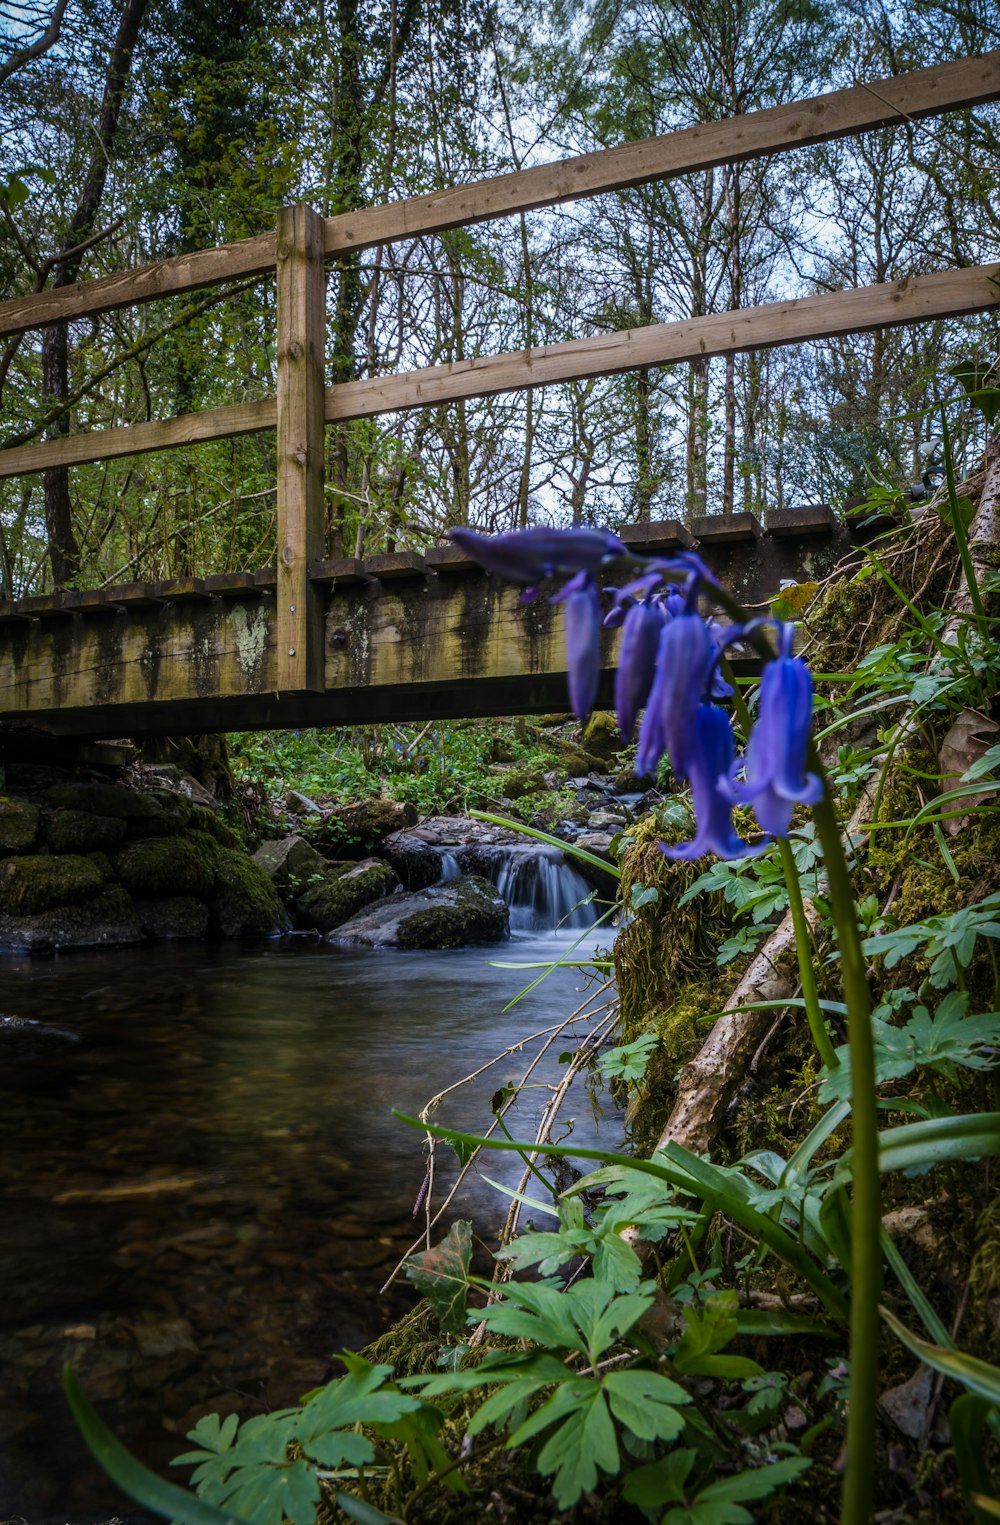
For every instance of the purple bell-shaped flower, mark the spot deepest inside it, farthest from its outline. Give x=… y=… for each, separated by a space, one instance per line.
x=531 y=554
x=710 y=758
x=582 y=618
x=775 y=776
x=640 y=643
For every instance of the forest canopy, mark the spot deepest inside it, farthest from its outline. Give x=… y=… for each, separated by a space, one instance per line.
x=138 y=129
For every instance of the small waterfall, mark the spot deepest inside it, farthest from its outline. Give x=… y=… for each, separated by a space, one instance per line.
x=542 y=890
x=450 y=866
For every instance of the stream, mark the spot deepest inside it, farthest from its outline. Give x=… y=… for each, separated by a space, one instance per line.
x=202 y=1185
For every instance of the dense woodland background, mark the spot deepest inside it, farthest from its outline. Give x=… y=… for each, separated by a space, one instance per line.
x=135 y=129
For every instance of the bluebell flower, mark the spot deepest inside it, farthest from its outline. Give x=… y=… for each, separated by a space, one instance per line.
x=651 y=743
x=531 y=554
x=683 y=666
x=776 y=751
x=582 y=617
x=640 y=644
x=709 y=760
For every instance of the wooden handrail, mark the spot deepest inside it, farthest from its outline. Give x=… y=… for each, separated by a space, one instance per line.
x=947 y=293
x=838 y=113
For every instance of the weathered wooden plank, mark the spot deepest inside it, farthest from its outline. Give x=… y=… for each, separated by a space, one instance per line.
x=916 y=299
x=924 y=92
x=167 y=277
x=390 y=564
x=301 y=510
x=140 y=439
x=912 y=300
x=725 y=528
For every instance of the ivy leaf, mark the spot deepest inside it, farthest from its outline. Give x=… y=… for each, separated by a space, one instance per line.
x=442 y=1275
x=643 y=894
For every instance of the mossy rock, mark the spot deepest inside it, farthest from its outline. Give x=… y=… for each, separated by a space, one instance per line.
x=576 y=761
x=244 y=902
x=356 y=830
x=601 y=736
x=173 y=918
x=205 y=819
x=103 y=799
x=178 y=865
x=339 y=896
x=171 y=814
x=36 y=883
x=455 y=914
x=104 y=920
x=515 y=783
x=18 y=825
x=77 y=831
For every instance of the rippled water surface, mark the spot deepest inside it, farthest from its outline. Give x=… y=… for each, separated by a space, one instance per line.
x=201 y=1184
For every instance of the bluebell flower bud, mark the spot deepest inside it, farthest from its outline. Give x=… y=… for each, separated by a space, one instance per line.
x=582 y=618
x=709 y=760
x=637 y=655
x=531 y=554
x=682 y=665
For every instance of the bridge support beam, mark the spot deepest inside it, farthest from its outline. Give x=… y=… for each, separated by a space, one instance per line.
x=301 y=289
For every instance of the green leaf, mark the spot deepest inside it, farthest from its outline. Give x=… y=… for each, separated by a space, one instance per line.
x=967 y=1420
x=360 y=1510
x=643 y=894
x=978 y=1376
x=661 y=1483
x=756 y=1484
x=645 y=1403
x=442 y=1275
x=584 y=1442
x=131 y=1476
x=544 y=836
x=971 y=1136
x=268 y=1495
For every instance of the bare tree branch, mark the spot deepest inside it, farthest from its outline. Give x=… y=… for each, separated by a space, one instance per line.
x=48 y=39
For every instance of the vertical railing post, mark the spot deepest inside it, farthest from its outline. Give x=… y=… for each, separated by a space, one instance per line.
x=301 y=344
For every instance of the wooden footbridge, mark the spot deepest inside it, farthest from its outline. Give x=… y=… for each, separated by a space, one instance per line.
x=311 y=641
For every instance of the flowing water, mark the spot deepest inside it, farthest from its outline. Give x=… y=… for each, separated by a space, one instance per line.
x=202 y=1187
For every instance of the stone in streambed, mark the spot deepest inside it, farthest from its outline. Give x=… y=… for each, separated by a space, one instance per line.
x=178 y=865
x=105 y=920
x=340 y=895
x=173 y=918
x=462 y=911
x=244 y=902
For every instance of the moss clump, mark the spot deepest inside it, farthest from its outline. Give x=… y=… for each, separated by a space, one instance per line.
x=667 y=946
x=103 y=799
x=77 y=831
x=576 y=762
x=204 y=819
x=339 y=896
x=601 y=736
x=180 y=865
x=36 y=883
x=103 y=920
x=18 y=825
x=471 y=912
x=515 y=783
x=244 y=902
x=171 y=814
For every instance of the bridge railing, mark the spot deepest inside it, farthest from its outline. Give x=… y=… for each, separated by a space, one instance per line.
x=295 y=252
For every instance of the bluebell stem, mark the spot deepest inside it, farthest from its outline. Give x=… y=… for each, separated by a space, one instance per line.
x=532 y=554
x=710 y=758
x=637 y=654
x=582 y=616
x=775 y=777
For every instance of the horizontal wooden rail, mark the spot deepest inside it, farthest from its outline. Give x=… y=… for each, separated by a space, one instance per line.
x=948 y=293
x=925 y=92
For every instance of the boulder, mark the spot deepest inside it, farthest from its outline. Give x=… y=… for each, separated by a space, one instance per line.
x=172 y=918
x=356 y=830
x=105 y=920
x=204 y=819
x=340 y=895
x=177 y=865
x=77 y=831
x=606 y=820
x=244 y=901
x=451 y=915
x=103 y=799
x=300 y=804
x=171 y=814
x=289 y=862
x=35 y=883
x=598 y=843
x=18 y=825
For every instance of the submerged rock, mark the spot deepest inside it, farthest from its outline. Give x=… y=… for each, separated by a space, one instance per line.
x=173 y=918
x=340 y=895
x=451 y=915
